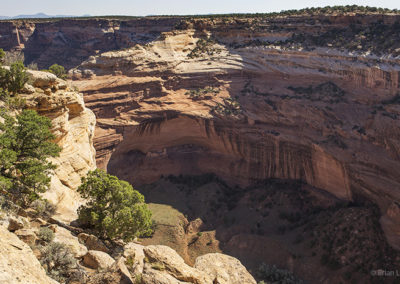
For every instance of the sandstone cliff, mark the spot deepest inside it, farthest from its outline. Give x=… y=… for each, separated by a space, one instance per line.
x=73 y=126
x=247 y=114
x=18 y=264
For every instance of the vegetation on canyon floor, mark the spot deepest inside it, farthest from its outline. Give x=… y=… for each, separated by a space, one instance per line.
x=340 y=238
x=272 y=274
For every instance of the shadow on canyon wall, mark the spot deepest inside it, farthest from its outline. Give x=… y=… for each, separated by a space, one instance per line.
x=279 y=222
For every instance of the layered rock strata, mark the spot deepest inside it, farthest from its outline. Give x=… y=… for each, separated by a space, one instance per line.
x=185 y=104
x=69 y=42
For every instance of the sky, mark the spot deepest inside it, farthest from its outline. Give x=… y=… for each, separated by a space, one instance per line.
x=169 y=7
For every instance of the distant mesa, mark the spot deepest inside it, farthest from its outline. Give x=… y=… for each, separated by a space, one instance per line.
x=39 y=15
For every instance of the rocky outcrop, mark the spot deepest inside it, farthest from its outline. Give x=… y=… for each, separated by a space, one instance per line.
x=92 y=242
x=98 y=260
x=129 y=264
x=164 y=262
x=223 y=269
x=161 y=264
x=18 y=264
x=73 y=126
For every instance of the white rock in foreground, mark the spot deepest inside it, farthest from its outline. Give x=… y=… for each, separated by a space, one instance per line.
x=224 y=269
x=18 y=264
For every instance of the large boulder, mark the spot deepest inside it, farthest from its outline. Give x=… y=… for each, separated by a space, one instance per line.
x=98 y=260
x=18 y=264
x=117 y=273
x=28 y=236
x=164 y=261
x=153 y=276
x=92 y=242
x=224 y=269
x=16 y=223
x=41 y=79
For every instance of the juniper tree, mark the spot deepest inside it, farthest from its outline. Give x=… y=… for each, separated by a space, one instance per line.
x=25 y=144
x=58 y=70
x=113 y=209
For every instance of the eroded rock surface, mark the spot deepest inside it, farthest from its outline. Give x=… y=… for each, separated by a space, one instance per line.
x=18 y=264
x=73 y=126
x=224 y=269
x=98 y=259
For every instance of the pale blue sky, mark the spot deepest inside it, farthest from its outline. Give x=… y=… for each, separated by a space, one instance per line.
x=168 y=7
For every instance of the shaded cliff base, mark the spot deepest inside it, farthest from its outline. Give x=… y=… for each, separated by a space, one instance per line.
x=279 y=222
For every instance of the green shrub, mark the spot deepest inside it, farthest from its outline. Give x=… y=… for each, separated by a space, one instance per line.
x=43 y=207
x=25 y=144
x=202 y=92
x=138 y=279
x=113 y=209
x=58 y=70
x=203 y=46
x=14 y=79
x=58 y=261
x=158 y=266
x=7 y=205
x=46 y=234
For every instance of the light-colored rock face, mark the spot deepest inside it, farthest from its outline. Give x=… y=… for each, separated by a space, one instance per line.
x=98 y=260
x=224 y=269
x=41 y=79
x=73 y=126
x=18 y=264
x=135 y=256
x=166 y=261
x=65 y=237
x=162 y=265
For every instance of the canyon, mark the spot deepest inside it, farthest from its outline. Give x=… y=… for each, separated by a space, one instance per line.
x=246 y=99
